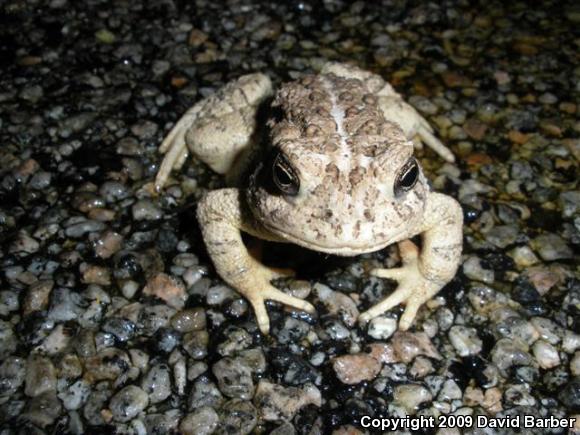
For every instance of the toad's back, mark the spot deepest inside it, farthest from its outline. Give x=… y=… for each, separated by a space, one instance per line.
x=335 y=116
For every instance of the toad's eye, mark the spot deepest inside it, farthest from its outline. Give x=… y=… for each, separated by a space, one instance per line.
x=408 y=176
x=284 y=176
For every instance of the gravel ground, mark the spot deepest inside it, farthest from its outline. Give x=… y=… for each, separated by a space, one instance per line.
x=112 y=318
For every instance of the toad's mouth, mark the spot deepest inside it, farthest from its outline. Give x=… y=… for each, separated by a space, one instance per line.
x=337 y=248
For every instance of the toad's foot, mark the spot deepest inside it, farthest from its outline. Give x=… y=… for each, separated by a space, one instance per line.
x=426 y=134
x=254 y=284
x=259 y=290
x=174 y=147
x=414 y=289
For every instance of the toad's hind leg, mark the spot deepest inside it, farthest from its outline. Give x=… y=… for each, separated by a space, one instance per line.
x=413 y=124
x=218 y=129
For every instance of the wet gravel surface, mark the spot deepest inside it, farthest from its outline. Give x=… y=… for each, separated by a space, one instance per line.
x=112 y=318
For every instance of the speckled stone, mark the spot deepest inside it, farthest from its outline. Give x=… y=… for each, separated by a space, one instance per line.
x=128 y=403
x=275 y=402
x=410 y=396
x=40 y=376
x=546 y=355
x=237 y=416
x=552 y=247
x=465 y=340
x=203 y=421
x=570 y=395
x=234 y=379
x=157 y=383
x=352 y=369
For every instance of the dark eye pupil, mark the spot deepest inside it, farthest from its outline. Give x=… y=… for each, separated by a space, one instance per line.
x=284 y=176
x=407 y=177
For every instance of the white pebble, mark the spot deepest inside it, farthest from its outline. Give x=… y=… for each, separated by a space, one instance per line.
x=450 y=391
x=465 y=340
x=523 y=256
x=410 y=396
x=128 y=403
x=382 y=328
x=473 y=270
x=571 y=342
x=546 y=354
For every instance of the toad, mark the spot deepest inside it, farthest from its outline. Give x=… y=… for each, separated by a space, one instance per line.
x=325 y=162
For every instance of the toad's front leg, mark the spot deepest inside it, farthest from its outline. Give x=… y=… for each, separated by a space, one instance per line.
x=222 y=216
x=423 y=274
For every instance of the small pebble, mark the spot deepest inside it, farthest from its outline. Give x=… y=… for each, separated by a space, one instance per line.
x=157 y=383
x=37 y=296
x=410 y=396
x=166 y=288
x=352 y=369
x=523 y=256
x=12 y=373
x=145 y=209
x=507 y=353
x=465 y=340
x=76 y=395
x=337 y=303
x=546 y=355
x=575 y=364
x=234 y=379
x=128 y=403
x=503 y=235
x=552 y=247
x=276 y=402
x=570 y=395
x=108 y=244
x=188 y=320
x=237 y=416
x=570 y=202
x=408 y=345
x=203 y=421
x=40 y=376
x=449 y=391
x=382 y=328
x=166 y=339
x=43 y=409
